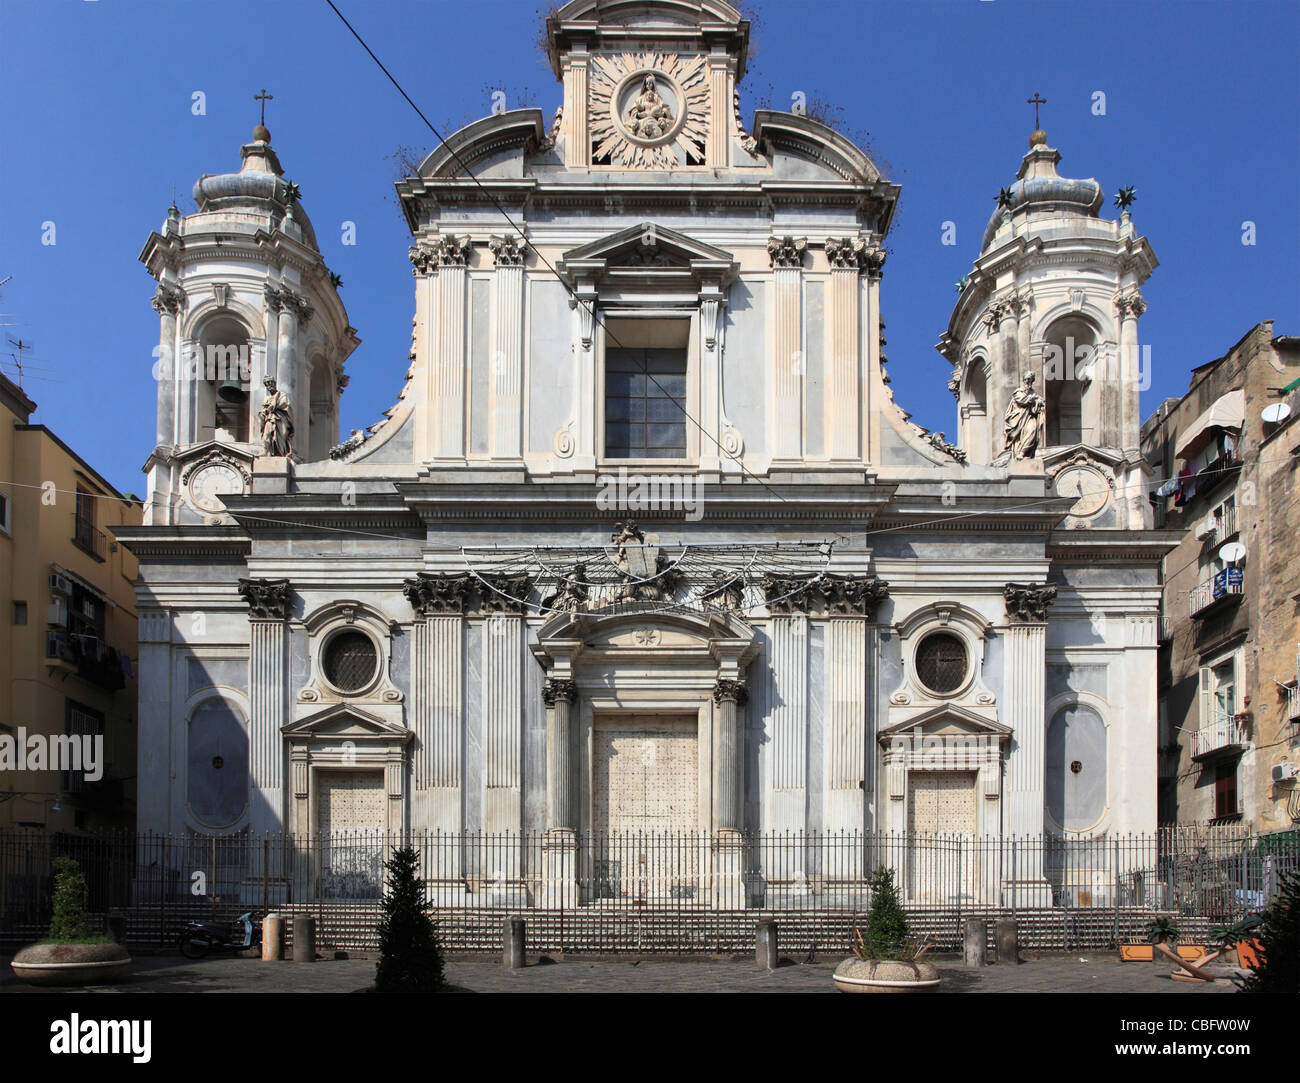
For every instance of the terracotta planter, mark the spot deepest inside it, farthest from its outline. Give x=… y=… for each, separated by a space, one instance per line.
x=71 y=964
x=856 y=975
x=1248 y=953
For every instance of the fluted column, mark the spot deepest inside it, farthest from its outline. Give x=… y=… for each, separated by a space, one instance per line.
x=576 y=142
x=167 y=302
x=449 y=366
x=848 y=672
x=846 y=257
x=730 y=696
x=788 y=722
x=503 y=712
x=787 y=353
x=508 y=354
x=269 y=603
x=719 y=109
x=1130 y=306
x=560 y=694
x=1025 y=702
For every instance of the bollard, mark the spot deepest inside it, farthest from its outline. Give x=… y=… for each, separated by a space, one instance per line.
x=975 y=941
x=1008 y=941
x=515 y=943
x=765 y=948
x=117 y=926
x=272 y=938
x=304 y=939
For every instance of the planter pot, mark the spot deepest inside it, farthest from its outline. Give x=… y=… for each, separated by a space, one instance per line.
x=71 y=964
x=856 y=975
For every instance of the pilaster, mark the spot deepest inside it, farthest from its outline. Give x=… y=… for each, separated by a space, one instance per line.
x=788 y=371
x=508 y=351
x=269 y=604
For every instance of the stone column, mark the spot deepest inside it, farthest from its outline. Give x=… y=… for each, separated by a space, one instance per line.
x=269 y=604
x=508 y=351
x=874 y=264
x=294 y=317
x=1004 y=371
x=730 y=697
x=1024 y=690
x=847 y=666
x=786 y=415
x=167 y=302
x=1130 y=306
x=846 y=256
x=503 y=711
x=559 y=858
x=788 y=722
x=576 y=137
x=447 y=378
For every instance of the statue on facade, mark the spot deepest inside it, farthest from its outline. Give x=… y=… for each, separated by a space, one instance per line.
x=648 y=116
x=1023 y=420
x=276 y=420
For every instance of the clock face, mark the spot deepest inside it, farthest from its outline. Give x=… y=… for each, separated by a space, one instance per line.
x=208 y=485
x=1090 y=490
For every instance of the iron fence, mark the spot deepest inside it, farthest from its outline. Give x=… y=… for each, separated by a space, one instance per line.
x=684 y=891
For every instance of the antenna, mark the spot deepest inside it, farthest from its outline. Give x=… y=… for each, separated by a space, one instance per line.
x=1232 y=552
x=20 y=345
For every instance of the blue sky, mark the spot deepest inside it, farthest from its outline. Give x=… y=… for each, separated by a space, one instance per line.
x=1202 y=116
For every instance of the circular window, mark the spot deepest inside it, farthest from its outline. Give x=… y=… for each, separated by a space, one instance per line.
x=941 y=662
x=350 y=660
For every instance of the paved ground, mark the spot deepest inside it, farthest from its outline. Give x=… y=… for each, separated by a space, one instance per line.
x=1099 y=972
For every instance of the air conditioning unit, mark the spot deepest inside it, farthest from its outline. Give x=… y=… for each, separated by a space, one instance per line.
x=60 y=584
x=58 y=613
x=1284 y=772
x=1206 y=528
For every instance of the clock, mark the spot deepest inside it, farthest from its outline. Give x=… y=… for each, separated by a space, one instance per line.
x=208 y=484
x=1090 y=489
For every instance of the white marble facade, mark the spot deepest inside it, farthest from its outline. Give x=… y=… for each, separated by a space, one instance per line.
x=317 y=615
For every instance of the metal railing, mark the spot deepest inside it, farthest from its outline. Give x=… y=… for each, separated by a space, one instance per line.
x=1293 y=704
x=86 y=537
x=1206 y=593
x=1222 y=731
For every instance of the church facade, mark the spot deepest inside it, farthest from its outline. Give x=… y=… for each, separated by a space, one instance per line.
x=645 y=543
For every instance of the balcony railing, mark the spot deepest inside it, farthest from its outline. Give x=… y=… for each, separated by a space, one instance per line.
x=1293 y=704
x=94 y=661
x=85 y=536
x=1226 y=521
x=1224 y=732
x=1227 y=584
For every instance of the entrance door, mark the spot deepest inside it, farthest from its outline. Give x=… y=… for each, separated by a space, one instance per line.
x=349 y=832
x=942 y=858
x=645 y=804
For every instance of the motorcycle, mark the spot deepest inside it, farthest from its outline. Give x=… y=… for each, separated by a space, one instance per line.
x=199 y=938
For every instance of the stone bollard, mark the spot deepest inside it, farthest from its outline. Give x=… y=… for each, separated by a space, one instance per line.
x=272 y=938
x=515 y=943
x=117 y=926
x=975 y=941
x=765 y=949
x=304 y=939
x=1008 y=941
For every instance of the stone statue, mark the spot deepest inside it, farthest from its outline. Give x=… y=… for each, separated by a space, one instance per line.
x=276 y=420
x=648 y=117
x=1023 y=420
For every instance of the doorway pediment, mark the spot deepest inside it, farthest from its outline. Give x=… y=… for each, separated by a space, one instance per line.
x=345 y=722
x=946 y=721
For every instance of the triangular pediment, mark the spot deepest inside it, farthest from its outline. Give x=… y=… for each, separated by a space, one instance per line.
x=648 y=246
x=345 y=721
x=946 y=720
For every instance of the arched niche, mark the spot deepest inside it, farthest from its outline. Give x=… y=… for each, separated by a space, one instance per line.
x=221 y=373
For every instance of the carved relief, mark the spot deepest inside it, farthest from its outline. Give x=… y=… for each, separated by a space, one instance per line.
x=168 y=299
x=649 y=110
x=937 y=441
x=847 y=595
x=440 y=593
x=572 y=594
x=646 y=572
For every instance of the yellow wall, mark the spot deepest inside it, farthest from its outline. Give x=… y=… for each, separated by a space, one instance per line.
x=33 y=691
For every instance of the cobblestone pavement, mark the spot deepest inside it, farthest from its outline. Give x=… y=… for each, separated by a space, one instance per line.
x=1095 y=972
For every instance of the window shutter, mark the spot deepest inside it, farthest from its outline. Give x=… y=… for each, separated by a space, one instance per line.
x=1206 y=677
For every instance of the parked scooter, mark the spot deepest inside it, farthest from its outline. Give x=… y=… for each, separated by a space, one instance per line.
x=200 y=938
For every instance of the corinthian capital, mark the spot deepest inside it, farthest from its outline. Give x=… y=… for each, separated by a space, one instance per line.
x=451 y=251
x=268 y=599
x=734 y=691
x=559 y=689
x=168 y=299
x=508 y=251
x=787 y=251
x=1027 y=602
x=1130 y=303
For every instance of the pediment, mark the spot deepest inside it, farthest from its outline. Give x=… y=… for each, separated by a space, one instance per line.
x=646 y=248
x=196 y=455
x=946 y=720
x=346 y=722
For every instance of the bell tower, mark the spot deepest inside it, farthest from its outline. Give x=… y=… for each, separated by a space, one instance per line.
x=243 y=297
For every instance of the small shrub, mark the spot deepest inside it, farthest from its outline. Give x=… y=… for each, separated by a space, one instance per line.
x=69 y=924
x=410 y=959
x=886 y=934
x=1279 y=943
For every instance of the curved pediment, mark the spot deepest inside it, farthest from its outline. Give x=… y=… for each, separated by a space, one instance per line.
x=512 y=131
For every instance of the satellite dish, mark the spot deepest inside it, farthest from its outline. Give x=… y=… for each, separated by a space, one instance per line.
x=1232 y=552
x=1276 y=414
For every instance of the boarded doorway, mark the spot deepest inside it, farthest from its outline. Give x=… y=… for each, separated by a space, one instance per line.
x=349 y=833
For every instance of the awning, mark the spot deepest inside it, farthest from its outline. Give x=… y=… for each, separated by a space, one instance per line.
x=1228 y=412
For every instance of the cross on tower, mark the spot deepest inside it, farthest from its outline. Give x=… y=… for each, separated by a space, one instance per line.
x=1036 y=101
x=264 y=97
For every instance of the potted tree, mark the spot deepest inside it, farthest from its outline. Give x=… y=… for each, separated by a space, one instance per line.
x=886 y=958
x=71 y=954
x=410 y=953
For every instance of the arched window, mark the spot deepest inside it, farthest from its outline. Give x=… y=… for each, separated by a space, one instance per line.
x=221 y=380
x=217 y=767
x=1069 y=359
x=322 y=426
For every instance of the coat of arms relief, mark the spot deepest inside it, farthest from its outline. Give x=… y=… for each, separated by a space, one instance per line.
x=648 y=110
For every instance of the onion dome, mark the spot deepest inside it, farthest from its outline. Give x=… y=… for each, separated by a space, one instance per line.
x=1040 y=190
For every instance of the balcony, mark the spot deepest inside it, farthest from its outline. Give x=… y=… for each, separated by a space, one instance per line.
x=88 y=539
x=1293 y=704
x=1227 y=586
x=1226 y=521
x=1225 y=734
x=1164 y=629
x=85 y=656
